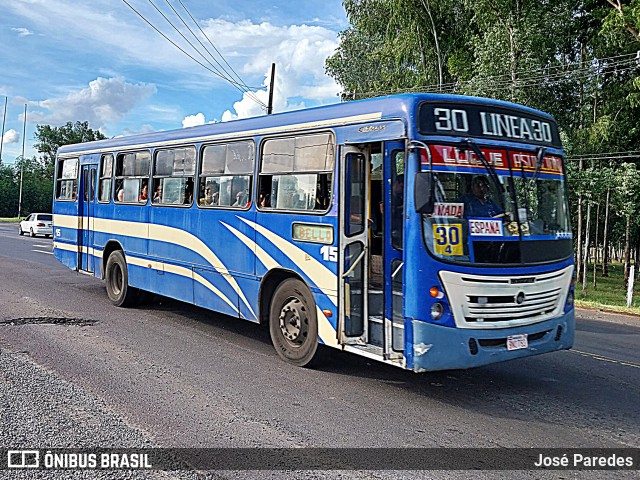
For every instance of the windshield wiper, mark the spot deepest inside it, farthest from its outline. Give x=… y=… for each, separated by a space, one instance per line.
x=539 y=162
x=488 y=166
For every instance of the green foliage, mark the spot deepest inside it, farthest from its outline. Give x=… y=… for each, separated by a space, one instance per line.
x=37 y=173
x=49 y=138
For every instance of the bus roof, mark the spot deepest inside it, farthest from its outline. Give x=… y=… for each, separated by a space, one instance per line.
x=343 y=113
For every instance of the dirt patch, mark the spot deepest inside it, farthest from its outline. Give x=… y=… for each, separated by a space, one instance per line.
x=80 y=322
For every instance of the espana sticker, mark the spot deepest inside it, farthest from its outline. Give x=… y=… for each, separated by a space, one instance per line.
x=447 y=239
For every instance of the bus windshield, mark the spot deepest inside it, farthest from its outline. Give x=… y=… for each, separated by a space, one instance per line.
x=509 y=207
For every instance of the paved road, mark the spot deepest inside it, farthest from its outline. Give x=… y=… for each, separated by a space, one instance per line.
x=169 y=374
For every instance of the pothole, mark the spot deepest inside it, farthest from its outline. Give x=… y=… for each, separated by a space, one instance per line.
x=80 y=322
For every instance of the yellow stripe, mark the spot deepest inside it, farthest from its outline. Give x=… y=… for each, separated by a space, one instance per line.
x=166 y=234
x=263 y=256
x=326 y=332
x=66 y=221
x=183 y=272
x=260 y=131
x=65 y=246
x=321 y=276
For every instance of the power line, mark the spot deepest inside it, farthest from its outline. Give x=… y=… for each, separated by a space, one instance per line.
x=214 y=71
x=621 y=64
x=241 y=82
x=222 y=75
x=208 y=40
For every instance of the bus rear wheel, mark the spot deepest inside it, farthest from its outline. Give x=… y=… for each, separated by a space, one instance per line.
x=117 y=281
x=293 y=323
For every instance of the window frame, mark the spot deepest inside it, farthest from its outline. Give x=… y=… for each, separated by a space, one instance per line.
x=122 y=177
x=60 y=179
x=161 y=178
x=202 y=177
x=330 y=180
x=101 y=178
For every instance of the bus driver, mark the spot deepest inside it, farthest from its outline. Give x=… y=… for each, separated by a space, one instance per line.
x=478 y=203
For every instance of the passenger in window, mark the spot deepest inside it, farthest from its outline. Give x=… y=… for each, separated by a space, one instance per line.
x=188 y=192
x=157 y=196
x=322 y=202
x=144 y=193
x=264 y=200
x=240 y=200
x=208 y=196
x=120 y=195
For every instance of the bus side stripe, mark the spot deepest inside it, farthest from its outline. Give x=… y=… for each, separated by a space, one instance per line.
x=326 y=332
x=186 y=239
x=183 y=272
x=266 y=259
x=323 y=278
x=165 y=234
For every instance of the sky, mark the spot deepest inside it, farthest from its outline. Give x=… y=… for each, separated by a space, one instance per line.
x=100 y=61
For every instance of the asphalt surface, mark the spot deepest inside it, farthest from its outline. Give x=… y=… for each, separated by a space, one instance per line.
x=77 y=372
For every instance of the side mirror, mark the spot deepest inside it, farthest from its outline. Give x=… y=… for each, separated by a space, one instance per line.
x=423 y=193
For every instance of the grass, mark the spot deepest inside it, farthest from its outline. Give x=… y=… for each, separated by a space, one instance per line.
x=10 y=220
x=610 y=292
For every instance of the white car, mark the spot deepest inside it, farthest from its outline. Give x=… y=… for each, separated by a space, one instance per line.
x=37 y=224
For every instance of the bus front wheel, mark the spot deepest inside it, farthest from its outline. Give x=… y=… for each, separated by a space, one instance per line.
x=293 y=323
x=117 y=281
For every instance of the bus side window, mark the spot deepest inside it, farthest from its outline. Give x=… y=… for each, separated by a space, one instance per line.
x=131 y=173
x=296 y=172
x=226 y=175
x=173 y=176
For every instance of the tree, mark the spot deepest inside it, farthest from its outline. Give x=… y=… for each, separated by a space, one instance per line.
x=395 y=45
x=8 y=191
x=627 y=192
x=49 y=139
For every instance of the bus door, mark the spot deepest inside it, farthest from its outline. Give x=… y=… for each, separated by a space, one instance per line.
x=354 y=246
x=86 y=205
x=394 y=220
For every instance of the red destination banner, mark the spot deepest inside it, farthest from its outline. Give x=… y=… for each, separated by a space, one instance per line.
x=450 y=156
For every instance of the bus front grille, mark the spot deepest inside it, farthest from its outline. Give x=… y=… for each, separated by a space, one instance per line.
x=499 y=308
x=502 y=301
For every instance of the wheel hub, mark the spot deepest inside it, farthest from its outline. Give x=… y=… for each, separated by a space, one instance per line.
x=294 y=321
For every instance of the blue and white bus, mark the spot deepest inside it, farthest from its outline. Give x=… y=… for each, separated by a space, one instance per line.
x=425 y=231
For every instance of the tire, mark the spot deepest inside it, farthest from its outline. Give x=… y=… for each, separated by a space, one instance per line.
x=20 y=232
x=293 y=323
x=31 y=234
x=116 y=278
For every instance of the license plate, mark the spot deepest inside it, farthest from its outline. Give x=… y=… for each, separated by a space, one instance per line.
x=517 y=342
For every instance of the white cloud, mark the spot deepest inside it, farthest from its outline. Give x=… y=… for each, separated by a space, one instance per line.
x=22 y=32
x=193 y=120
x=299 y=53
x=10 y=136
x=104 y=101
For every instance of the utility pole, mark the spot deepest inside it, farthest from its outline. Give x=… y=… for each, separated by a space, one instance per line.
x=273 y=76
x=24 y=132
x=4 y=118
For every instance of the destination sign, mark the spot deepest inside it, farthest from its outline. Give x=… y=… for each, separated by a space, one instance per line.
x=313 y=233
x=450 y=156
x=487 y=121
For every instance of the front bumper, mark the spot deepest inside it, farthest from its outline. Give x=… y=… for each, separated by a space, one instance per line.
x=43 y=230
x=446 y=348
